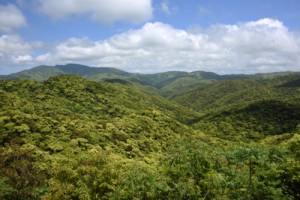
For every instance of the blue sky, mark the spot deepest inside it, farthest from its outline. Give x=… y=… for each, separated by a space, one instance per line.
x=152 y=36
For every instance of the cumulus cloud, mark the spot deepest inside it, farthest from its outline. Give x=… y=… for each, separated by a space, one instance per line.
x=259 y=46
x=264 y=45
x=21 y=59
x=11 y=18
x=106 y=11
x=14 y=52
x=12 y=45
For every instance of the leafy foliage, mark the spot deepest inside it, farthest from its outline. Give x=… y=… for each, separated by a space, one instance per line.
x=70 y=138
x=229 y=94
x=253 y=122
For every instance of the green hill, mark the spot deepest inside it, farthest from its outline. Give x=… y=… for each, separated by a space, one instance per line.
x=42 y=73
x=228 y=94
x=247 y=109
x=253 y=122
x=39 y=73
x=78 y=97
x=166 y=84
x=72 y=138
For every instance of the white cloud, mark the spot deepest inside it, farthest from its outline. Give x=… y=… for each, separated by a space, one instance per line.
x=107 y=11
x=270 y=23
x=11 y=18
x=259 y=46
x=21 y=59
x=12 y=45
x=265 y=45
x=14 y=52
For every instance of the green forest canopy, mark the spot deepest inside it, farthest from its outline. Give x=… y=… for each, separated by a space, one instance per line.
x=70 y=138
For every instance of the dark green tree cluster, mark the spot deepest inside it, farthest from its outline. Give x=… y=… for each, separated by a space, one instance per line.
x=232 y=94
x=253 y=122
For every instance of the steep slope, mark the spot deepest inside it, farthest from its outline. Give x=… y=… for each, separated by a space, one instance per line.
x=225 y=95
x=55 y=105
x=248 y=109
x=293 y=83
x=253 y=122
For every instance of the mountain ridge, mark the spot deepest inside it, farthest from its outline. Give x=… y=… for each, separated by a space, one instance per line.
x=164 y=83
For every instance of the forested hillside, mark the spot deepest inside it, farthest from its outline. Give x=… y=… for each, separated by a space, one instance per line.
x=166 y=84
x=246 y=109
x=253 y=122
x=71 y=138
x=228 y=94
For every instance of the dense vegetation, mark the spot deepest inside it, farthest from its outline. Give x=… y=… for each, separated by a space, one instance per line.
x=166 y=84
x=225 y=95
x=253 y=122
x=70 y=138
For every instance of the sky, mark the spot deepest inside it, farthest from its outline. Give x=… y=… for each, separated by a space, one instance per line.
x=151 y=36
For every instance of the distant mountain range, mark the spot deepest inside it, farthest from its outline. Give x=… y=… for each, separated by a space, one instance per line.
x=166 y=83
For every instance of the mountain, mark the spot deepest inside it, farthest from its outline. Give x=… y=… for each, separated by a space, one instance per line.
x=166 y=84
x=39 y=73
x=228 y=94
x=71 y=138
x=43 y=72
